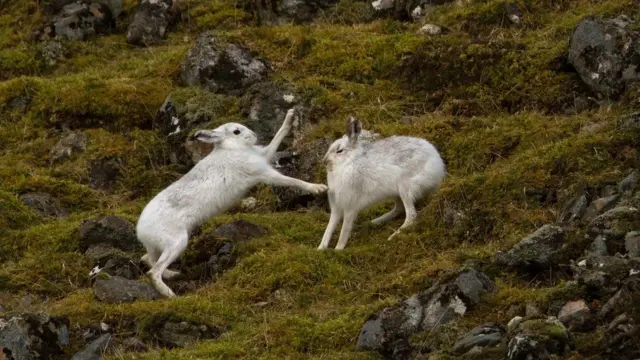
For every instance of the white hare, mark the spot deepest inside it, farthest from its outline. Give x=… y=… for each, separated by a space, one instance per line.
x=213 y=185
x=362 y=173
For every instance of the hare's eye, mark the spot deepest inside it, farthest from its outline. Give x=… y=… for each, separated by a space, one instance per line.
x=236 y=131
x=340 y=150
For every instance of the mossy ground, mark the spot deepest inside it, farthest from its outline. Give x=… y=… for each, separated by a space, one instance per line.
x=486 y=94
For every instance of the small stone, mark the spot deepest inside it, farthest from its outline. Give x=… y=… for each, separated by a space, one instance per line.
x=629 y=183
x=514 y=14
x=514 y=323
x=532 y=311
x=536 y=252
x=117 y=290
x=103 y=172
x=576 y=316
x=248 y=204
x=490 y=334
x=175 y=333
x=632 y=243
x=599 y=206
x=599 y=246
x=430 y=29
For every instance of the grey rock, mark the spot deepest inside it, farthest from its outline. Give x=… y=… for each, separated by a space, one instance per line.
x=67 y=146
x=602 y=52
x=173 y=334
x=574 y=209
x=117 y=290
x=600 y=205
x=112 y=230
x=603 y=275
x=222 y=260
x=150 y=24
x=113 y=261
x=629 y=183
x=239 y=230
x=632 y=243
x=490 y=334
x=44 y=204
x=388 y=331
x=78 y=21
x=608 y=190
x=577 y=316
x=34 y=336
x=104 y=172
x=525 y=347
x=95 y=350
x=536 y=252
x=219 y=66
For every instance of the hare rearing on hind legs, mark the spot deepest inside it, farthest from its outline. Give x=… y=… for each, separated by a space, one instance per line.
x=362 y=173
x=212 y=186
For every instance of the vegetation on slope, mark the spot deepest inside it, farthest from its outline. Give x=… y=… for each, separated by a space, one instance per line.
x=487 y=94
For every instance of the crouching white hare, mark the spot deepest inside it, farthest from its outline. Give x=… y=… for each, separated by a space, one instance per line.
x=362 y=173
x=213 y=185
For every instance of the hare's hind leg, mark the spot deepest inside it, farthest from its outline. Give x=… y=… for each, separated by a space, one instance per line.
x=397 y=210
x=174 y=248
x=408 y=200
x=150 y=259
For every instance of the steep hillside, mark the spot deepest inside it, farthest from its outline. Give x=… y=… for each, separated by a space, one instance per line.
x=88 y=129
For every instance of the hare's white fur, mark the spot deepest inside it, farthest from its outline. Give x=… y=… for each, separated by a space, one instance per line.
x=362 y=172
x=213 y=185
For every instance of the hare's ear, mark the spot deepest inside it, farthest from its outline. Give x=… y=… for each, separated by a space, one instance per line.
x=354 y=127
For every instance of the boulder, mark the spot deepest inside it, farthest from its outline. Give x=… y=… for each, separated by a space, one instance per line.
x=150 y=23
x=599 y=206
x=220 y=66
x=604 y=53
x=117 y=290
x=389 y=330
x=111 y=230
x=34 y=336
x=44 y=204
x=537 y=252
x=94 y=350
x=78 y=21
x=487 y=335
x=71 y=143
x=538 y=339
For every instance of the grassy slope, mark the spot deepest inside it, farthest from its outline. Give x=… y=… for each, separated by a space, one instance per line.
x=483 y=94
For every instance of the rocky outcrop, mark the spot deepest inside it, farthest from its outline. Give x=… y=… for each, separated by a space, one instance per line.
x=34 y=336
x=115 y=231
x=117 y=290
x=220 y=66
x=150 y=24
x=44 y=204
x=78 y=21
x=389 y=330
x=605 y=54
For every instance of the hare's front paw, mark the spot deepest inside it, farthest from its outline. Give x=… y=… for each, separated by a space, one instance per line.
x=317 y=188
